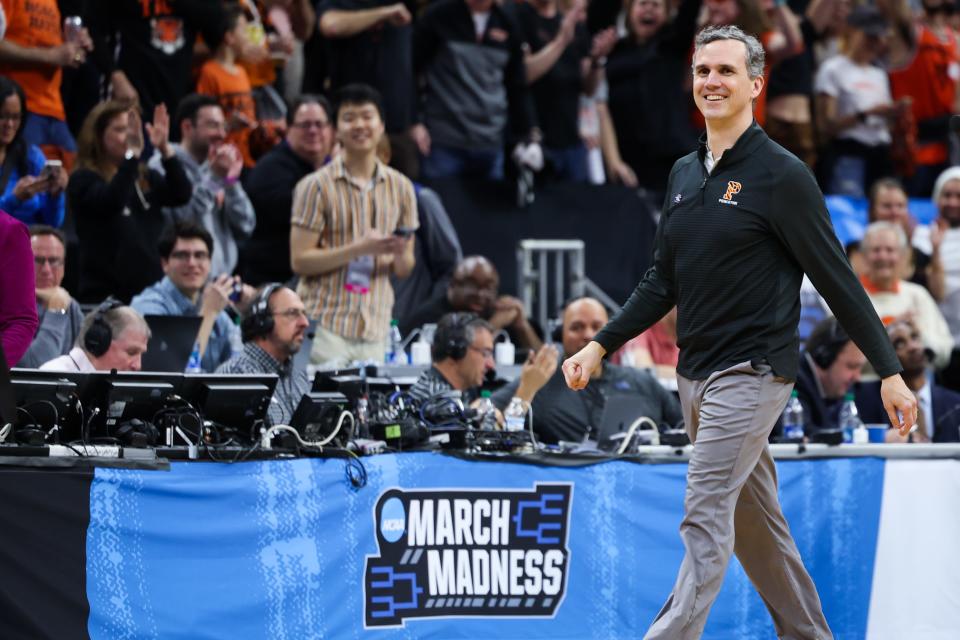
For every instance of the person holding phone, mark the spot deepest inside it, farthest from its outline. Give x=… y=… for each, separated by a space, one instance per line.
x=342 y=242
x=31 y=187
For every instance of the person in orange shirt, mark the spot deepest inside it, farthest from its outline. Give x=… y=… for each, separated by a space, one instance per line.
x=33 y=52
x=224 y=79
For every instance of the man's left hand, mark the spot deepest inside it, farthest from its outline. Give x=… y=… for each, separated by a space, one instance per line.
x=898 y=398
x=508 y=312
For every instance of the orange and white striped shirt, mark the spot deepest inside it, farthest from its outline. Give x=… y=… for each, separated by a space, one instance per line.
x=330 y=202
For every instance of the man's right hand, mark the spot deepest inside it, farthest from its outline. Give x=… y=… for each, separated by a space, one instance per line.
x=376 y=243
x=397 y=15
x=578 y=368
x=537 y=371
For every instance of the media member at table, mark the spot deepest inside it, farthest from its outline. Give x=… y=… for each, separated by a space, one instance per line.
x=273 y=332
x=742 y=221
x=462 y=356
x=559 y=413
x=113 y=336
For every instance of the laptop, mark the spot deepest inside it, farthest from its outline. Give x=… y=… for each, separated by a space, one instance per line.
x=619 y=412
x=171 y=342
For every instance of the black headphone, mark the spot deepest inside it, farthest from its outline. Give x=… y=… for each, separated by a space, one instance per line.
x=97 y=339
x=136 y=433
x=826 y=342
x=450 y=340
x=259 y=320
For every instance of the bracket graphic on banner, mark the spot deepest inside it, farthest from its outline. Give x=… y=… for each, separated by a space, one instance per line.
x=448 y=553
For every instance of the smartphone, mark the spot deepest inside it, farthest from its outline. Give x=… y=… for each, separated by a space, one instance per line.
x=403 y=232
x=50 y=168
x=236 y=292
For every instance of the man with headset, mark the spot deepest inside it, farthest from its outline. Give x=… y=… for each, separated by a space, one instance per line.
x=830 y=366
x=273 y=331
x=113 y=336
x=462 y=355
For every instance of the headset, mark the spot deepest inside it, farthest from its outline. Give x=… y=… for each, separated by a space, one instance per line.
x=97 y=339
x=259 y=320
x=826 y=342
x=136 y=433
x=450 y=340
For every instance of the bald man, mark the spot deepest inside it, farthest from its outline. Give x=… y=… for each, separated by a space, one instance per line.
x=561 y=414
x=474 y=288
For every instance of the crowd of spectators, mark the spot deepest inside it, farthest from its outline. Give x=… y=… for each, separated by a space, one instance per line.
x=179 y=154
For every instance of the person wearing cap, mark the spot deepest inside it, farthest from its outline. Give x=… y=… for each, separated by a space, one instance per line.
x=855 y=108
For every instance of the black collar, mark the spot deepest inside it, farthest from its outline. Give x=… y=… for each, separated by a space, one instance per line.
x=745 y=145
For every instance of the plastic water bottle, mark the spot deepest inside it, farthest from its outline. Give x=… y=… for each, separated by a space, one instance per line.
x=420 y=351
x=193 y=364
x=515 y=417
x=395 y=352
x=793 y=419
x=849 y=419
x=486 y=412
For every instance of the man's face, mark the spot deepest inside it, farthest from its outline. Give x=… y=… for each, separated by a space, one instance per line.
x=125 y=351
x=289 y=321
x=844 y=372
x=209 y=131
x=908 y=343
x=478 y=359
x=722 y=87
x=721 y=12
x=474 y=287
x=310 y=134
x=188 y=266
x=646 y=17
x=948 y=204
x=48 y=257
x=582 y=320
x=883 y=256
x=890 y=205
x=359 y=127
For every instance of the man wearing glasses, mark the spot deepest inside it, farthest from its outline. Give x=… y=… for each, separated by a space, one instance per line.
x=186 y=290
x=273 y=332
x=59 y=315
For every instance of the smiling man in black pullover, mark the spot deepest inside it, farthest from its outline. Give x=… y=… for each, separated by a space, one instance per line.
x=742 y=221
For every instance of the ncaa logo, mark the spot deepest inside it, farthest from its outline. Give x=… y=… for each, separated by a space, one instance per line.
x=733 y=188
x=393 y=518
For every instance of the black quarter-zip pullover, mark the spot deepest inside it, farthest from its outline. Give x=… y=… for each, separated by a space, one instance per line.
x=731 y=250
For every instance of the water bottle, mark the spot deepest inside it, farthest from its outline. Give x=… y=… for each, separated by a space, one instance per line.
x=395 y=352
x=420 y=351
x=486 y=412
x=793 y=419
x=193 y=364
x=515 y=417
x=849 y=419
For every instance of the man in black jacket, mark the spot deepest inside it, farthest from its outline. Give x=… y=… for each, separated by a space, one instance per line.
x=743 y=220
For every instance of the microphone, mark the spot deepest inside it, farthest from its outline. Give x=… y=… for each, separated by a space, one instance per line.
x=309 y=334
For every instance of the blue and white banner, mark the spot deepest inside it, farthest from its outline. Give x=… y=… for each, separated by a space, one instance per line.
x=436 y=546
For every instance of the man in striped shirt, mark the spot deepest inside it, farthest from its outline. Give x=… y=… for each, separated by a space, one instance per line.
x=351 y=228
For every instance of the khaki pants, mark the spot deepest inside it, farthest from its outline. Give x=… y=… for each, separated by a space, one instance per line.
x=330 y=349
x=731 y=506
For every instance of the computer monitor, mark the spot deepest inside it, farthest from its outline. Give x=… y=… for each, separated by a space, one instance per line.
x=317 y=414
x=115 y=398
x=235 y=401
x=45 y=407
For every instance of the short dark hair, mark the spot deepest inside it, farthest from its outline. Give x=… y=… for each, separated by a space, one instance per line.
x=190 y=105
x=454 y=335
x=186 y=229
x=878 y=185
x=357 y=94
x=47 y=230
x=230 y=15
x=826 y=341
x=307 y=98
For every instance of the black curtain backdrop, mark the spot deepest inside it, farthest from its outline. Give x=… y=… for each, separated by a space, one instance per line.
x=615 y=223
x=43 y=529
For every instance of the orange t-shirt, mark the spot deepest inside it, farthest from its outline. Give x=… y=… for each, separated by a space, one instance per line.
x=35 y=23
x=263 y=72
x=233 y=91
x=931 y=80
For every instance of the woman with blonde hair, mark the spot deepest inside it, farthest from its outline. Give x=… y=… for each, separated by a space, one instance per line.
x=116 y=200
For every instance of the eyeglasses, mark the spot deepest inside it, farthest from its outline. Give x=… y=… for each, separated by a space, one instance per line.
x=487 y=353
x=53 y=262
x=292 y=314
x=199 y=256
x=11 y=117
x=306 y=124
